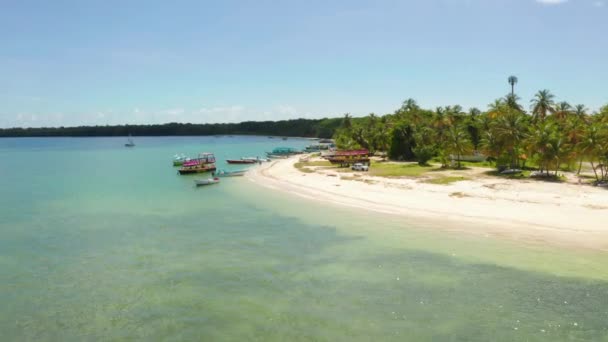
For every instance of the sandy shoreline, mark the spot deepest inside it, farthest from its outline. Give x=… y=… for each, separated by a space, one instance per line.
x=531 y=211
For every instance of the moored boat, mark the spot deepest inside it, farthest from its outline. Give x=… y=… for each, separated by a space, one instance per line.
x=204 y=163
x=224 y=173
x=256 y=159
x=282 y=152
x=208 y=181
x=241 y=161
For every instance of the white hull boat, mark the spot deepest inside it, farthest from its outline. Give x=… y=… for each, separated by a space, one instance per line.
x=209 y=181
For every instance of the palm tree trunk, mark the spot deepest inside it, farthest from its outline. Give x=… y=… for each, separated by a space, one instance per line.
x=594 y=171
x=580 y=166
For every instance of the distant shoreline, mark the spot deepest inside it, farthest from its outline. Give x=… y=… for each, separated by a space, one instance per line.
x=164 y=136
x=531 y=212
x=310 y=128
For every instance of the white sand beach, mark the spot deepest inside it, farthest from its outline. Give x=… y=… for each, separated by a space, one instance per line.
x=531 y=211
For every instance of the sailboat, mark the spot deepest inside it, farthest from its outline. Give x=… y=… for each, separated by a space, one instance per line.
x=130 y=142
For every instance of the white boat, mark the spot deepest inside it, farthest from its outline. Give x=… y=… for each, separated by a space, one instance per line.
x=208 y=181
x=224 y=173
x=130 y=142
x=257 y=159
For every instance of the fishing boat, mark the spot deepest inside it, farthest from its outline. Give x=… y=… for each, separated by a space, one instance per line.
x=205 y=162
x=208 y=181
x=241 y=161
x=180 y=159
x=130 y=142
x=224 y=173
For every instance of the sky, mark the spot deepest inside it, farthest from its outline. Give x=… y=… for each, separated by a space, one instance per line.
x=66 y=63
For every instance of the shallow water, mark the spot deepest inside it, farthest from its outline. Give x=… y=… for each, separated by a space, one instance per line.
x=98 y=241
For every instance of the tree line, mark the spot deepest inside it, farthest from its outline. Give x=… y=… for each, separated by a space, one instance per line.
x=552 y=135
x=314 y=128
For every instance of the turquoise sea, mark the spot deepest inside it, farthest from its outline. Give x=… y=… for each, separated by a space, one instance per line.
x=102 y=242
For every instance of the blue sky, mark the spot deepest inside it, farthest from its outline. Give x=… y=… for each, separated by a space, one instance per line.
x=113 y=62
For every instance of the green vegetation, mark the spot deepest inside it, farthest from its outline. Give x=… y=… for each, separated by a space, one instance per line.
x=398 y=170
x=324 y=163
x=549 y=138
x=303 y=167
x=319 y=128
x=306 y=166
x=445 y=180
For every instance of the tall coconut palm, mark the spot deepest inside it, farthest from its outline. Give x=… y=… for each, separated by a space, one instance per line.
x=513 y=81
x=542 y=104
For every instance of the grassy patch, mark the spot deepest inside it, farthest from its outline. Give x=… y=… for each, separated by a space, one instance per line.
x=302 y=167
x=305 y=166
x=398 y=170
x=318 y=163
x=446 y=180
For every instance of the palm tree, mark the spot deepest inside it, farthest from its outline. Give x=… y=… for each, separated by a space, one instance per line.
x=409 y=105
x=513 y=81
x=539 y=145
x=491 y=145
x=346 y=121
x=510 y=128
x=496 y=108
x=581 y=112
x=511 y=101
x=458 y=142
x=542 y=104
x=591 y=145
x=562 y=110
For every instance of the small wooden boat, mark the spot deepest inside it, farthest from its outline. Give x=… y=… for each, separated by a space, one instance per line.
x=208 y=181
x=224 y=173
x=241 y=161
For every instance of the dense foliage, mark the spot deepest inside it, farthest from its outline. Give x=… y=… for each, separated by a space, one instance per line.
x=320 y=128
x=550 y=136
